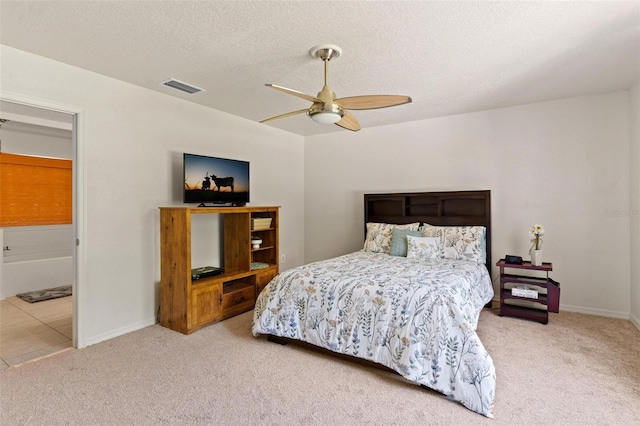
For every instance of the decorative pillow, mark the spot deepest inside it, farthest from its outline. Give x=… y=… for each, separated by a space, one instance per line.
x=422 y=247
x=460 y=242
x=379 y=236
x=399 y=241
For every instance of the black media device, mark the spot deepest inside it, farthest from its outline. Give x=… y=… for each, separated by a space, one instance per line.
x=514 y=260
x=215 y=180
x=205 y=271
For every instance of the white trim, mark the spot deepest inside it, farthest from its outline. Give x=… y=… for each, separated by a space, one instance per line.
x=588 y=311
x=121 y=331
x=594 y=311
x=635 y=321
x=79 y=179
x=39 y=102
x=2 y=297
x=37 y=121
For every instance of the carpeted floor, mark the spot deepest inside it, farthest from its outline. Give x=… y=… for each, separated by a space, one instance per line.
x=577 y=370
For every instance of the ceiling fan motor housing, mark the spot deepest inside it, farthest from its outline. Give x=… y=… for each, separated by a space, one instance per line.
x=327 y=106
x=331 y=107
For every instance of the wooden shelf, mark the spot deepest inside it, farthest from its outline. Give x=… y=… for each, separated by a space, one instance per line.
x=539 y=315
x=506 y=294
x=548 y=292
x=546 y=266
x=263 y=248
x=187 y=305
x=226 y=276
x=235 y=285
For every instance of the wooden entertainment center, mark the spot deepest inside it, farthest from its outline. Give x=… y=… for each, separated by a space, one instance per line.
x=187 y=305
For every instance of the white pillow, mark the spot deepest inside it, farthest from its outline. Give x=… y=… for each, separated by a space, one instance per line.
x=379 y=235
x=423 y=247
x=459 y=242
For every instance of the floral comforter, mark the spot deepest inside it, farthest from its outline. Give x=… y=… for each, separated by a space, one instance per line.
x=415 y=316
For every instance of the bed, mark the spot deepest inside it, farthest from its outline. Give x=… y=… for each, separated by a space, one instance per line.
x=410 y=300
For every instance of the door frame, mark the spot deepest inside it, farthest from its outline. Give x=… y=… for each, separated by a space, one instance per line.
x=78 y=203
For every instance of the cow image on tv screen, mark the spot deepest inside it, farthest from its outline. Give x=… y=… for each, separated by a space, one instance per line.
x=218 y=182
x=215 y=180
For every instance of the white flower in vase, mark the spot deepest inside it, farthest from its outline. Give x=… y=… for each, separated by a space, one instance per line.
x=536 y=232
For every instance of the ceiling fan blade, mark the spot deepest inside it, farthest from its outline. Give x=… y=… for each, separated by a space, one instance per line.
x=294 y=93
x=289 y=114
x=372 y=101
x=349 y=122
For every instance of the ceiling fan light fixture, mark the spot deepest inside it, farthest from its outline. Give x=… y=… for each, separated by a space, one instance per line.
x=327 y=113
x=326 y=117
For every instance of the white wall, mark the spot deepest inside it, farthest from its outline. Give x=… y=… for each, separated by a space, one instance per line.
x=132 y=142
x=634 y=109
x=29 y=139
x=38 y=257
x=563 y=164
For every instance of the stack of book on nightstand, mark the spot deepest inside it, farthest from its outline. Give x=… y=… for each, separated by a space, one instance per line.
x=258 y=223
x=524 y=291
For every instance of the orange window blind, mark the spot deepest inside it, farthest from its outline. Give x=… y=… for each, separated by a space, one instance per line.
x=34 y=190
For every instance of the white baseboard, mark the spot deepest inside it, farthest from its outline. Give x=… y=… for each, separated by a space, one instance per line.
x=594 y=311
x=495 y=304
x=120 y=331
x=590 y=311
x=635 y=320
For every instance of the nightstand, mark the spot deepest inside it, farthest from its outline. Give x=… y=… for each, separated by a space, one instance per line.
x=542 y=297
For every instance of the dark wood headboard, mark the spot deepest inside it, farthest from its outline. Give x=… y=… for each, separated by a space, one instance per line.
x=451 y=208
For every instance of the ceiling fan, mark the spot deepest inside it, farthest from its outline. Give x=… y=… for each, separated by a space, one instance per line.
x=325 y=107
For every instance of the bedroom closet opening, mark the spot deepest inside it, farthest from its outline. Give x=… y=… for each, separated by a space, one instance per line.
x=37 y=232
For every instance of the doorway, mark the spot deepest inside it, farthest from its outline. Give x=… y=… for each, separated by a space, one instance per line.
x=54 y=323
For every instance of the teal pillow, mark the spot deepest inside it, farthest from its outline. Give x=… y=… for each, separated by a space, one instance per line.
x=399 y=241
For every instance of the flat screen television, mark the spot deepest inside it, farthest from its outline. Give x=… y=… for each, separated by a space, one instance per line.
x=215 y=180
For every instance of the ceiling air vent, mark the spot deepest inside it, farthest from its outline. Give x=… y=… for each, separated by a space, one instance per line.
x=182 y=86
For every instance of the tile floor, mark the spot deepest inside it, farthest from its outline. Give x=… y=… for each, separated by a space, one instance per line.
x=32 y=330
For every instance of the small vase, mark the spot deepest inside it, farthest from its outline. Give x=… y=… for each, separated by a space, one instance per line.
x=536 y=257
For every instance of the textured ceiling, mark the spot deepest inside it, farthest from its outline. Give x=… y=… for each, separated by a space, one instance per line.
x=450 y=57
